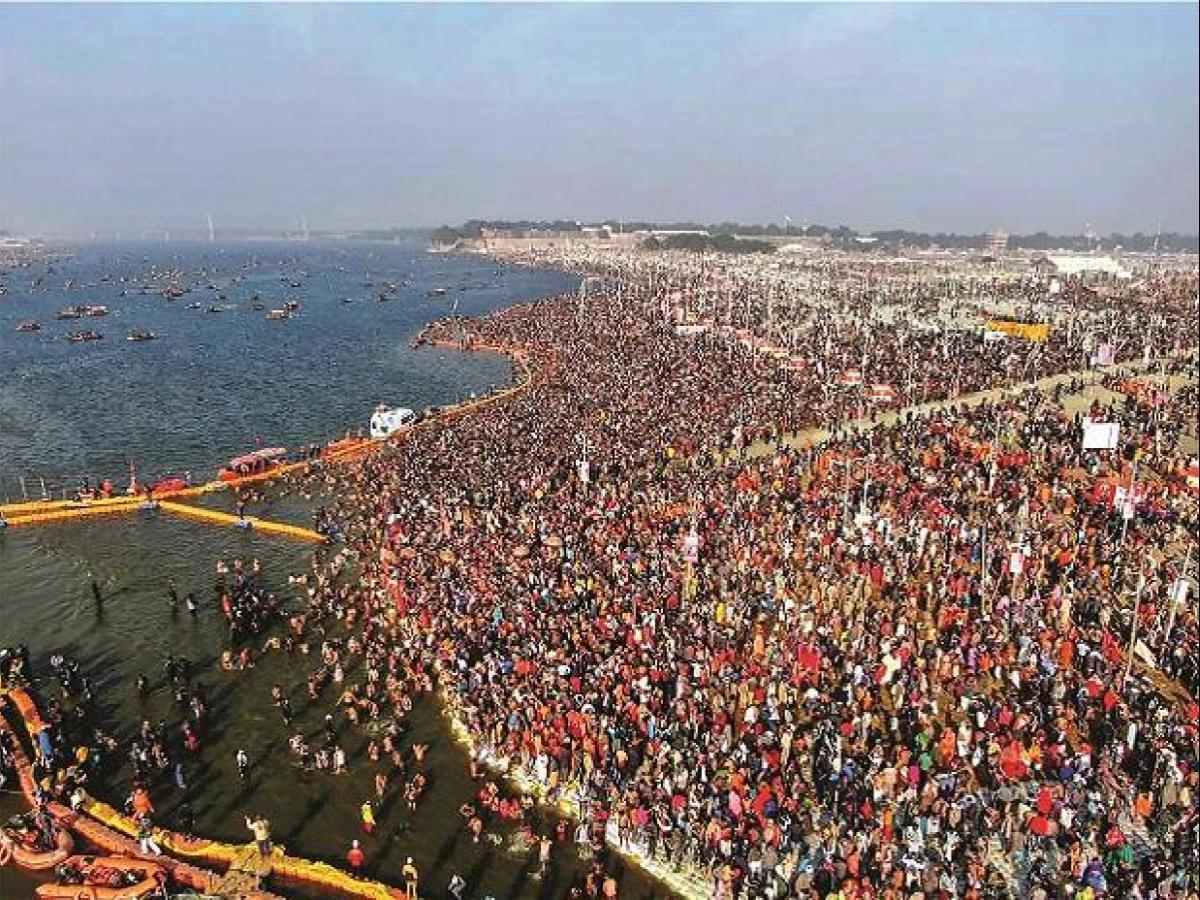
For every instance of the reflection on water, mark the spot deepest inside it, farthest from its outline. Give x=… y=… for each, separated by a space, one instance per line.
x=211 y=386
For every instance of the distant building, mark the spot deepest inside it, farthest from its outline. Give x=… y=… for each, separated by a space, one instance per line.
x=997 y=242
x=1085 y=265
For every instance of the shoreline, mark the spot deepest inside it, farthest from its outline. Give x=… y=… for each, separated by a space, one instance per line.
x=535 y=362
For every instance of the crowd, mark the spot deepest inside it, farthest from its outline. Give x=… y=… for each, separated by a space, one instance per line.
x=890 y=665
x=893 y=664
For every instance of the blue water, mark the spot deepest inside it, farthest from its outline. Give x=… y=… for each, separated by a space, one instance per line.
x=217 y=384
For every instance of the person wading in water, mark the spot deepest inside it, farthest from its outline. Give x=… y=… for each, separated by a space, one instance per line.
x=261 y=829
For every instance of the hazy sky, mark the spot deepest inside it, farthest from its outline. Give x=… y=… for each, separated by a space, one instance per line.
x=929 y=117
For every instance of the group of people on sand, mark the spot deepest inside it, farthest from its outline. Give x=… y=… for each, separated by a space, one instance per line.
x=892 y=664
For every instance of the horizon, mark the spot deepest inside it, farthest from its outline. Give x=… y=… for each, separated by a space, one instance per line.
x=932 y=119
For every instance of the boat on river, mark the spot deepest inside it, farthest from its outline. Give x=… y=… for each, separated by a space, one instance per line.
x=26 y=844
x=386 y=421
x=139 y=334
x=104 y=878
x=250 y=464
x=29 y=325
x=278 y=315
x=80 y=337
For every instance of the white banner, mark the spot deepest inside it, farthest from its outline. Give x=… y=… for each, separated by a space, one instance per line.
x=1016 y=563
x=1179 y=591
x=1100 y=435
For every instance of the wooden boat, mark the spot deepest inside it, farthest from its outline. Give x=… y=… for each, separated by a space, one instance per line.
x=29 y=325
x=79 y=337
x=69 y=312
x=103 y=878
x=251 y=464
x=278 y=315
x=169 y=485
x=20 y=838
x=140 y=335
x=94 y=311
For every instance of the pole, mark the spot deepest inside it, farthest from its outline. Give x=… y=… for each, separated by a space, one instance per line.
x=1176 y=602
x=1133 y=629
x=845 y=490
x=983 y=573
x=1131 y=502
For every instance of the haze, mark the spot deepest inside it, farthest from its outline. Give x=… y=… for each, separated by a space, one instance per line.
x=932 y=117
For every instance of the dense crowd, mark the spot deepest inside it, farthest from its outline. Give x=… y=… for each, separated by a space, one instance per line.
x=891 y=664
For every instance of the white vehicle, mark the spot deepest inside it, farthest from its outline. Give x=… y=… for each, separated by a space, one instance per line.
x=385 y=422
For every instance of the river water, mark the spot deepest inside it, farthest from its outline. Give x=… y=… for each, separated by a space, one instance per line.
x=210 y=386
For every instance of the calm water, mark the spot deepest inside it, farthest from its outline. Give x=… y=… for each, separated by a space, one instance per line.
x=212 y=386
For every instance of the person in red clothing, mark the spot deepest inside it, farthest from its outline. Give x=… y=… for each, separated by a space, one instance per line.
x=355 y=857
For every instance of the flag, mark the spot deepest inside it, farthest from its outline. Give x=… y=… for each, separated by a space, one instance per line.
x=1100 y=435
x=1016 y=562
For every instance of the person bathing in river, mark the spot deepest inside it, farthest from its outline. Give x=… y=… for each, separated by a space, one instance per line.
x=260 y=827
x=367 y=813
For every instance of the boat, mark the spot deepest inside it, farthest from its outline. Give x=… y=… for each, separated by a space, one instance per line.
x=385 y=421
x=291 y=305
x=140 y=335
x=252 y=464
x=194 y=305
x=69 y=312
x=436 y=292
x=94 y=311
x=29 y=325
x=213 y=309
x=256 y=305
x=79 y=337
x=23 y=840
x=169 y=485
x=278 y=315
x=103 y=878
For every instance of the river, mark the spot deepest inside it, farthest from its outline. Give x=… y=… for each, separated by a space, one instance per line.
x=211 y=385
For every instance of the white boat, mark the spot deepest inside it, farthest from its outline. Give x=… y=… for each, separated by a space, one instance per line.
x=386 y=421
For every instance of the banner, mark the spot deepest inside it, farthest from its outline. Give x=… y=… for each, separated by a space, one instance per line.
x=1016 y=563
x=1104 y=355
x=1179 y=591
x=1038 y=332
x=1100 y=435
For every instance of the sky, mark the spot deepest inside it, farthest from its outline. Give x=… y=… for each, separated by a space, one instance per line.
x=931 y=117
